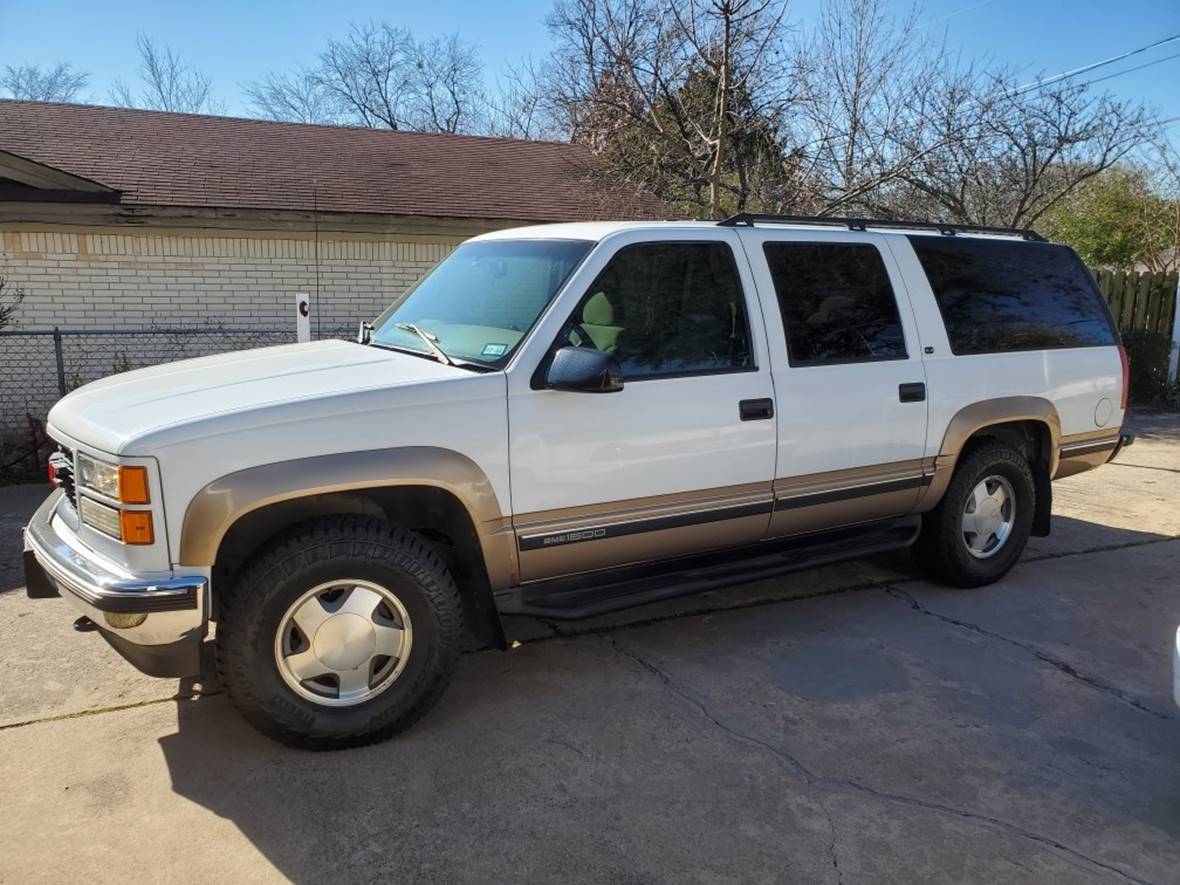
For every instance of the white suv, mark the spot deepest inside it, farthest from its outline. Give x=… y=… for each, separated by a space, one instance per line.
x=569 y=419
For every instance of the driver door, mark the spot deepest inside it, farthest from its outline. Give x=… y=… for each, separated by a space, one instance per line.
x=682 y=458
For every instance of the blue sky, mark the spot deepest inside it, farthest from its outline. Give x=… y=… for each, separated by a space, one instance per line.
x=235 y=42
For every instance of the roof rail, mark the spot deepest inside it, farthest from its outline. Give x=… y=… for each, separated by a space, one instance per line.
x=749 y=219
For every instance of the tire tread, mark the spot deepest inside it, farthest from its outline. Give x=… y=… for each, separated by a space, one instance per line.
x=345 y=537
x=939 y=550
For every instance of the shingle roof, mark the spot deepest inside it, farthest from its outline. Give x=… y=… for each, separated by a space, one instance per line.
x=166 y=159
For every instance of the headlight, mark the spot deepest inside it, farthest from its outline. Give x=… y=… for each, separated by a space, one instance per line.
x=126 y=484
x=98 y=476
x=117 y=482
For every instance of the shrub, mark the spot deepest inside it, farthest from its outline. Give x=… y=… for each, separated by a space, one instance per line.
x=1147 y=353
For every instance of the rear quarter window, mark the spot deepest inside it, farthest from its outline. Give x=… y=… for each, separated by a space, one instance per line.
x=998 y=295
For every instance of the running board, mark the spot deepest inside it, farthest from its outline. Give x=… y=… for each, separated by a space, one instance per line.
x=597 y=593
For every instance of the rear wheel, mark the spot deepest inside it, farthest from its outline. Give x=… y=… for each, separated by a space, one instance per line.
x=341 y=633
x=980 y=527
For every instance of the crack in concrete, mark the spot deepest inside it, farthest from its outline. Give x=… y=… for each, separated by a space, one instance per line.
x=822 y=782
x=115 y=708
x=1058 y=664
x=793 y=766
x=1143 y=466
x=1105 y=548
x=832 y=848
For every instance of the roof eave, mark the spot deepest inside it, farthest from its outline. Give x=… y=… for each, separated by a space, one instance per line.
x=122 y=216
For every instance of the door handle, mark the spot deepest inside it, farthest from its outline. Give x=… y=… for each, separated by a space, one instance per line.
x=911 y=393
x=756 y=409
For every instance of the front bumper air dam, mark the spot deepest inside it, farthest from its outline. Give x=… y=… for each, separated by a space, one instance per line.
x=167 y=642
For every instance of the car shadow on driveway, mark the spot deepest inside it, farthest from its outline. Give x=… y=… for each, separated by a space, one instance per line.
x=902 y=730
x=1157 y=426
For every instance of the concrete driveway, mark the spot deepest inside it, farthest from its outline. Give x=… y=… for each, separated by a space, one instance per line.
x=850 y=724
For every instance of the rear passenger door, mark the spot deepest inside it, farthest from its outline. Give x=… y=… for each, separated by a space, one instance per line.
x=849 y=381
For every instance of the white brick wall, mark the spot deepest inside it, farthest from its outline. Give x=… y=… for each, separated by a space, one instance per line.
x=96 y=279
x=136 y=279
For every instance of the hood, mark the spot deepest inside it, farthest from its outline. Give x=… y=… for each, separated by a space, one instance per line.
x=113 y=413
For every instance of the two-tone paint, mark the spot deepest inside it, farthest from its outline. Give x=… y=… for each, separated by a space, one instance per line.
x=557 y=483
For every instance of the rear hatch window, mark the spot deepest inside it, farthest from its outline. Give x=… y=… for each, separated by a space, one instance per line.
x=1006 y=295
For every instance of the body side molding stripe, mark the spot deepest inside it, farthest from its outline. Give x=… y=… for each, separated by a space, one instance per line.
x=1085 y=447
x=849 y=492
x=606 y=531
x=654 y=524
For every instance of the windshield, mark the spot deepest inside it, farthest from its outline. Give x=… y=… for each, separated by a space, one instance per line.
x=479 y=303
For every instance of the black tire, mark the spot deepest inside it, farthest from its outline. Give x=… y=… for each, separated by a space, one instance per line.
x=942 y=551
x=325 y=550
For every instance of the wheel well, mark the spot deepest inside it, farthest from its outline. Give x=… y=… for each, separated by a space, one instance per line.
x=1035 y=440
x=434 y=513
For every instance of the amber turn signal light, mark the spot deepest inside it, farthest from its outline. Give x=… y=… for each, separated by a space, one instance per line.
x=137 y=526
x=133 y=485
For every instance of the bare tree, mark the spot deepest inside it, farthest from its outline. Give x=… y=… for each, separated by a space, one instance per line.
x=448 y=87
x=1006 y=155
x=370 y=73
x=381 y=76
x=168 y=83
x=34 y=83
x=299 y=97
x=685 y=99
x=891 y=124
x=859 y=123
x=519 y=105
x=1161 y=213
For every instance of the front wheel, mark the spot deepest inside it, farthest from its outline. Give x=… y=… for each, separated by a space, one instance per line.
x=341 y=633
x=980 y=527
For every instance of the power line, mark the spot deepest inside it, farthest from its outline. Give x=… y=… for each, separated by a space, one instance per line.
x=1064 y=75
x=1146 y=64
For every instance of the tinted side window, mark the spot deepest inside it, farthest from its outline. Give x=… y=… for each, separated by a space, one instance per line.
x=999 y=295
x=665 y=309
x=836 y=301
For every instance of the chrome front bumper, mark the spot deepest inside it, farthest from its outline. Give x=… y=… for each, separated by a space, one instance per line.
x=167 y=640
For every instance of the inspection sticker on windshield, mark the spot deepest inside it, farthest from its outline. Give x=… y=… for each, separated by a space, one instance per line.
x=494 y=350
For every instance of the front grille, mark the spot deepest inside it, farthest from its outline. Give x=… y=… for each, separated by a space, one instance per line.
x=63 y=470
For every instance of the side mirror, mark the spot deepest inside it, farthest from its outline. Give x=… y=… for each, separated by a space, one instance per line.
x=584 y=370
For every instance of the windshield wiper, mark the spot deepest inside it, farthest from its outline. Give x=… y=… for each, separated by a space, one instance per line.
x=429 y=340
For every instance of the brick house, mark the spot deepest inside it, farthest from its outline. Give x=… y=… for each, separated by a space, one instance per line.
x=122 y=218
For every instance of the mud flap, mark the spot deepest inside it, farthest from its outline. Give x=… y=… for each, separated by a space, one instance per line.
x=1043 y=511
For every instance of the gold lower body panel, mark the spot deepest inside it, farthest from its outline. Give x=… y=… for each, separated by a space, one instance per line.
x=1080 y=452
x=846 y=497
x=580 y=539
x=563 y=542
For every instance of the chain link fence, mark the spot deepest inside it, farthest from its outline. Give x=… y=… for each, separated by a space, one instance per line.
x=39 y=366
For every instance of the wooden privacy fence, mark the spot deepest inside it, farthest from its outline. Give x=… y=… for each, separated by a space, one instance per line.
x=1140 y=301
x=1144 y=306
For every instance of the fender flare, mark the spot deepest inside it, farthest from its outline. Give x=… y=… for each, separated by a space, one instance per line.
x=978 y=416
x=222 y=502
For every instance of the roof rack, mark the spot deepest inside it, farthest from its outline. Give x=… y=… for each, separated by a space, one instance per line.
x=749 y=219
